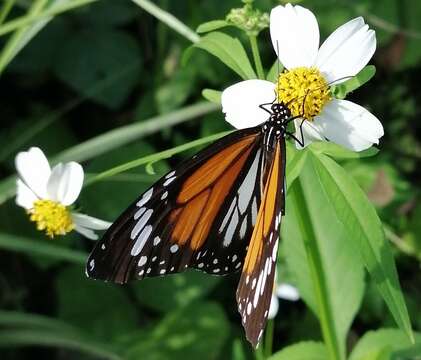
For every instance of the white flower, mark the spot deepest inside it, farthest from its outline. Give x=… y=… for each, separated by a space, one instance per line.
x=48 y=194
x=282 y=291
x=310 y=72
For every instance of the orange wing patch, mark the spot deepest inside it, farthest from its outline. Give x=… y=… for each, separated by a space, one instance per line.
x=204 y=192
x=206 y=175
x=264 y=217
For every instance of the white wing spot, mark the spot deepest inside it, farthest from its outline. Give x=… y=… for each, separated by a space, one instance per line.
x=148 y=271
x=103 y=247
x=238 y=265
x=141 y=240
x=154 y=258
x=141 y=223
x=145 y=198
x=174 y=248
x=162 y=271
x=141 y=272
x=91 y=265
x=234 y=257
x=249 y=308
x=157 y=240
x=169 y=181
x=139 y=213
x=170 y=174
x=216 y=270
x=162 y=262
x=164 y=195
x=215 y=261
x=142 y=260
x=200 y=265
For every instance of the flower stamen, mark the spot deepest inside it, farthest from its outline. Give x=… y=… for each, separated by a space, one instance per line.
x=305 y=90
x=51 y=217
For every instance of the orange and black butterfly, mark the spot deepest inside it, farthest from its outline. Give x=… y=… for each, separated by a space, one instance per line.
x=218 y=212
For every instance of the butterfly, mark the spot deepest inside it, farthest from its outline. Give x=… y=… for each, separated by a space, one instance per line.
x=218 y=212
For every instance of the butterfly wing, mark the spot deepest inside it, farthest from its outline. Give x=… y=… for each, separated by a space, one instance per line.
x=200 y=215
x=255 y=288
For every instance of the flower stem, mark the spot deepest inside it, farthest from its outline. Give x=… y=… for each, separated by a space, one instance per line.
x=269 y=337
x=7 y=6
x=150 y=159
x=318 y=277
x=33 y=17
x=256 y=57
x=168 y=19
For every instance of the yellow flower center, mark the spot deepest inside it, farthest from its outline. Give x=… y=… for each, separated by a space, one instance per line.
x=51 y=217
x=304 y=90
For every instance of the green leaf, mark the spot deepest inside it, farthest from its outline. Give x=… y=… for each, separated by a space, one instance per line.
x=322 y=256
x=274 y=71
x=40 y=337
x=101 y=54
x=380 y=344
x=42 y=248
x=307 y=350
x=105 y=319
x=361 y=221
x=342 y=90
x=17 y=319
x=230 y=51
x=25 y=34
x=339 y=152
x=195 y=332
x=170 y=292
x=211 y=26
x=213 y=96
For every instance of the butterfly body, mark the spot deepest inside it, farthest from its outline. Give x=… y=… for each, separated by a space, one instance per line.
x=218 y=212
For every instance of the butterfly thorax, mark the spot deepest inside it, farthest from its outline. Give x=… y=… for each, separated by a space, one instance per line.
x=276 y=126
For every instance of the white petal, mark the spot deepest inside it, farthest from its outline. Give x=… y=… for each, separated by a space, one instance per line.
x=349 y=125
x=240 y=102
x=347 y=50
x=65 y=183
x=274 y=307
x=310 y=133
x=287 y=292
x=33 y=169
x=90 y=222
x=24 y=195
x=295 y=33
x=90 y=234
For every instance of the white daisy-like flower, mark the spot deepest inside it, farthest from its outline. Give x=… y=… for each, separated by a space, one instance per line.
x=282 y=291
x=47 y=195
x=310 y=71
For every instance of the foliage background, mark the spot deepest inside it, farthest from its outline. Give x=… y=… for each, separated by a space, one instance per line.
x=109 y=64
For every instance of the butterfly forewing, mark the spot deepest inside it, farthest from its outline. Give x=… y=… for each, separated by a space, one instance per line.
x=200 y=215
x=255 y=288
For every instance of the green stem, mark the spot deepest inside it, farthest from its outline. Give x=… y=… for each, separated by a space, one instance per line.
x=153 y=158
x=168 y=19
x=7 y=6
x=256 y=57
x=32 y=17
x=258 y=353
x=316 y=270
x=17 y=40
x=270 y=327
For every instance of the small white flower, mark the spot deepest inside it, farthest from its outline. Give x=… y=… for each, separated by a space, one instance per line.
x=282 y=291
x=47 y=195
x=306 y=83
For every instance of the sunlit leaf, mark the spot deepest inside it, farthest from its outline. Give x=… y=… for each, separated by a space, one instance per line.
x=230 y=51
x=309 y=350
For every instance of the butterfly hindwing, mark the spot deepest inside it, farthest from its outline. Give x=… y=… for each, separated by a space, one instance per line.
x=255 y=288
x=200 y=215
